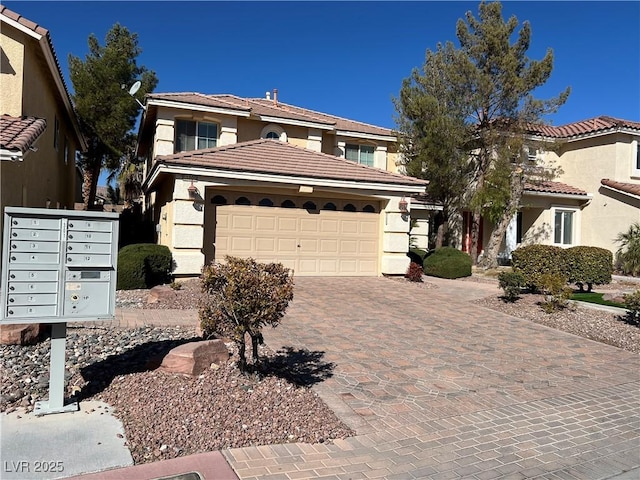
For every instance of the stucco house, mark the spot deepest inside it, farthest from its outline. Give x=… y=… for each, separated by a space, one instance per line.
x=256 y=177
x=595 y=197
x=39 y=132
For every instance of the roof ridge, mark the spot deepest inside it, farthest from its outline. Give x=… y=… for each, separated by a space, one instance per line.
x=24 y=21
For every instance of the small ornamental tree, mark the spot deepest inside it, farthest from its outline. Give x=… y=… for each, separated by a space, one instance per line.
x=244 y=296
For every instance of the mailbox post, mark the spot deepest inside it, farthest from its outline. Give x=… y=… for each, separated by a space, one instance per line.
x=58 y=266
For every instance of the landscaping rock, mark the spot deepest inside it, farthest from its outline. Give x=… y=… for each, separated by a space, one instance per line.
x=194 y=357
x=161 y=293
x=26 y=334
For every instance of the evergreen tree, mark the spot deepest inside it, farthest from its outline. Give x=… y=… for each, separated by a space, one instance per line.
x=106 y=111
x=493 y=80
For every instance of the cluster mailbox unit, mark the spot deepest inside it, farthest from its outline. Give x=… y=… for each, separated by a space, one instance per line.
x=58 y=266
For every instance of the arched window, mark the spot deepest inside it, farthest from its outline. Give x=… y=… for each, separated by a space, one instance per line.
x=349 y=207
x=275 y=132
x=309 y=206
x=330 y=206
x=369 y=209
x=288 y=204
x=243 y=201
x=266 y=202
x=219 y=200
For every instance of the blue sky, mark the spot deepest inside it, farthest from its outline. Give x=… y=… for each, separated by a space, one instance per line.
x=349 y=58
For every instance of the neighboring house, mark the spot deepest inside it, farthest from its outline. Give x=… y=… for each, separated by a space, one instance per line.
x=597 y=195
x=39 y=133
x=256 y=177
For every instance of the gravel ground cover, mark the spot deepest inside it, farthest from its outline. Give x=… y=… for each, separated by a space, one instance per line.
x=166 y=415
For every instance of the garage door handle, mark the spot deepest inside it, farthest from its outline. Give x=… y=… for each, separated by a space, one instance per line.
x=298 y=246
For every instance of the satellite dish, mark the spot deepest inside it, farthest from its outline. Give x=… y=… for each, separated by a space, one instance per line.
x=134 y=88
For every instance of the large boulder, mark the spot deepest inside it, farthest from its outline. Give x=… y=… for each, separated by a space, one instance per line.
x=194 y=357
x=22 y=334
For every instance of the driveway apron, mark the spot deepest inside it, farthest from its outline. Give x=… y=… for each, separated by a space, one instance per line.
x=436 y=386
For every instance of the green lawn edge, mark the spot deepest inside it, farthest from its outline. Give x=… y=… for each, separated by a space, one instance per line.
x=593 y=297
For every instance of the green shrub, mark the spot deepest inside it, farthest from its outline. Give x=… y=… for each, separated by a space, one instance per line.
x=143 y=265
x=416 y=255
x=557 y=293
x=589 y=266
x=414 y=272
x=448 y=262
x=511 y=283
x=628 y=255
x=632 y=303
x=533 y=261
x=243 y=296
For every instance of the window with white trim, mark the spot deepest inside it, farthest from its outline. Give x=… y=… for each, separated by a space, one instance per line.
x=192 y=135
x=362 y=154
x=564 y=226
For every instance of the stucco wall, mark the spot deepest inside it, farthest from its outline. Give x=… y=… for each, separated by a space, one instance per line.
x=45 y=177
x=585 y=163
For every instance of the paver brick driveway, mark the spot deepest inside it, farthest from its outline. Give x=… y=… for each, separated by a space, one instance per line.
x=438 y=387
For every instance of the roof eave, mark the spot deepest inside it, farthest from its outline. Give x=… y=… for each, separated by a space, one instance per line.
x=369 y=136
x=296 y=123
x=621 y=192
x=197 y=107
x=563 y=196
x=273 y=178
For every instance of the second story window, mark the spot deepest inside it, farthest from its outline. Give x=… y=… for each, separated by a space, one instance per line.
x=360 y=154
x=195 y=135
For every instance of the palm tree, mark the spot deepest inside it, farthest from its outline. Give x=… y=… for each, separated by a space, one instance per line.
x=628 y=255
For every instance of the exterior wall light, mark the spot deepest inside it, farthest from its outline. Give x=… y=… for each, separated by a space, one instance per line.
x=403 y=205
x=192 y=190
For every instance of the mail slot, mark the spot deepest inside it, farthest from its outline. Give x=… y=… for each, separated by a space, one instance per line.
x=58 y=265
x=31 y=234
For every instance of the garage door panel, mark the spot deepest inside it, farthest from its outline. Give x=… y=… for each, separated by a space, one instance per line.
x=287 y=224
x=348 y=247
x=265 y=245
x=329 y=243
x=287 y=245
x=242 y=222
x=309 y=225
x=367 y=247
x=369 y=227
x=242 y=244
x=349 y=226
x=265 y=224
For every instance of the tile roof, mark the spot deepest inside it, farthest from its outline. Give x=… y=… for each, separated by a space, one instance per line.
x=19 y=133
x=62 y=85
x=272 y=108
x=554 y=188
x=584 y=127
x=279 y=158
x=630 y=188
x=23 y=21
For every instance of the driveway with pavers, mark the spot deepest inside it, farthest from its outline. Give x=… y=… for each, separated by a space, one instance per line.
x=438 y=387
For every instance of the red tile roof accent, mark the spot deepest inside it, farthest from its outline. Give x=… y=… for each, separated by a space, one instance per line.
x=23 y=21
x=264 y=107
x=19 y=133
x=279 y=158
x=554 y=187
x=630 y=188
x=583 y=127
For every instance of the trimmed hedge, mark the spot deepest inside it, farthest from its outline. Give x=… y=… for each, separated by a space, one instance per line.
x=448 y=262
x=589 y=266
x=534 y=261
x=143 y=265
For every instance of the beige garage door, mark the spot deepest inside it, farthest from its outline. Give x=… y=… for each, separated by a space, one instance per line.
x=312 y=243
